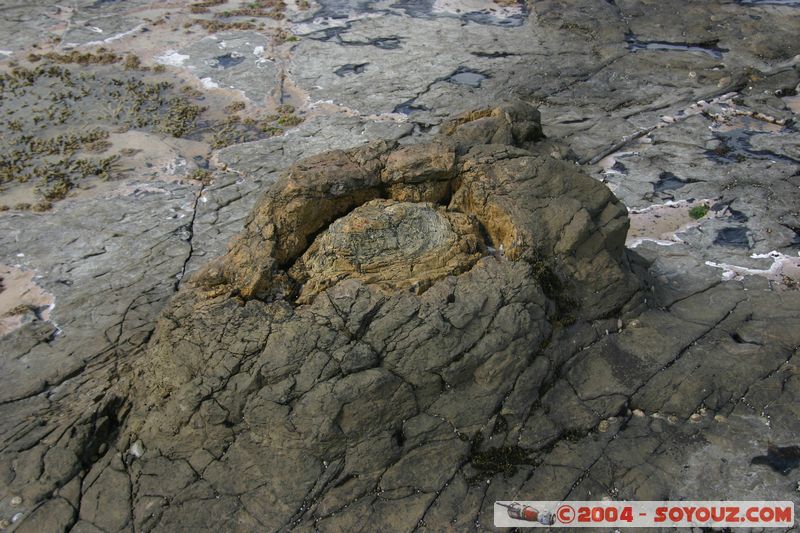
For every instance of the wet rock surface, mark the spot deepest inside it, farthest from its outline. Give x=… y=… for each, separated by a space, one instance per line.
x=543 y=357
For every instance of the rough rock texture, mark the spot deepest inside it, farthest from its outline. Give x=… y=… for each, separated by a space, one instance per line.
x=396 y=245
x=366 y=402
x=87 y=269
x=671 y=104
x=364 y=386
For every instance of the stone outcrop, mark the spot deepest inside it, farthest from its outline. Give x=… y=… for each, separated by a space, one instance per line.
x=530 y=207
x=383 y=309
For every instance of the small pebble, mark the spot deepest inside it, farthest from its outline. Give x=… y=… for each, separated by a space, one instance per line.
x=602 y=427
x=695 y=417
x=638 y=412
x=16 y=501
x=4 y=524
x=137 y=449
x=720 y=418
x=16 y=518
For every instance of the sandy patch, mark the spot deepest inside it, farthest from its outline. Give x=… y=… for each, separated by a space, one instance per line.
x=793 y=103
x=154 y=155
x=20 y=295
x=503 y=7
x=664 y=222
x=738 y=122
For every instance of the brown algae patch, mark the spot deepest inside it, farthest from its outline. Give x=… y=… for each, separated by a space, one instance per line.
x=226 y=17
x=56 y=122
x=67 y=128
x=20 y=296
x=237 y=129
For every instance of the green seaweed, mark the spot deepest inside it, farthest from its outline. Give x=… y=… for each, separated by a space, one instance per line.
x=699 y=211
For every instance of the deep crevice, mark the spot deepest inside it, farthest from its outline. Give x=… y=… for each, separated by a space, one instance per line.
x=106 y=425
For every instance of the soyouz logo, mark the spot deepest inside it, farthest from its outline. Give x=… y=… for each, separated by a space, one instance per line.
x=762 y=514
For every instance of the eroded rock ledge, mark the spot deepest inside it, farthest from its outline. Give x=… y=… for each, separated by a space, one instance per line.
x=486 y=165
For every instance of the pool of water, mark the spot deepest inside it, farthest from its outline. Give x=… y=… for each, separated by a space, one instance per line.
x=636 y=44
